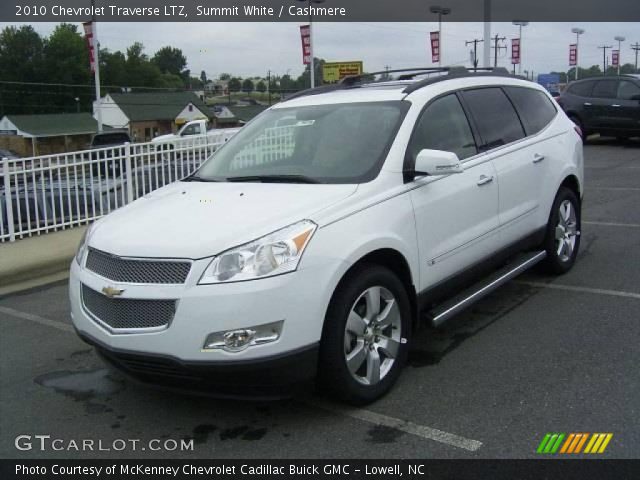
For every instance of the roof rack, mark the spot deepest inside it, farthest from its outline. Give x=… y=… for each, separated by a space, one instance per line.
x=354 y=81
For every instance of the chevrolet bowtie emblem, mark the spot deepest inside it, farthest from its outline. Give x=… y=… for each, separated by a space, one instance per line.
x=112 y=292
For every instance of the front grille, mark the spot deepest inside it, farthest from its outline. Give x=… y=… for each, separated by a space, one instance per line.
x=127 y=313
x=127 y=270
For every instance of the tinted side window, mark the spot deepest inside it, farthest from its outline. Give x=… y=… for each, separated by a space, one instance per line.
x=443 y=126
x=626 y=90
x=534 y=107
x=582 y=89
x=605 y=89
x=495 y=116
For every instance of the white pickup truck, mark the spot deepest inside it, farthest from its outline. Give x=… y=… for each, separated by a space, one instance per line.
x=194 y=134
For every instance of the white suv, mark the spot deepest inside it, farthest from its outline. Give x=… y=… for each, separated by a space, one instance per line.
x=310 y=245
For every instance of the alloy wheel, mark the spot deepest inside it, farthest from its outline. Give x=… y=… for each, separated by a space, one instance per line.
x=373 y=335
x=566 y=231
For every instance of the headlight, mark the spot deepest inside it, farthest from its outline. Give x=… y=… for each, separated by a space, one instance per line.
x=274 y=254
x=82 y=247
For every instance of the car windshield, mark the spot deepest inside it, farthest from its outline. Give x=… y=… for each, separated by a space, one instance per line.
x=340 y=143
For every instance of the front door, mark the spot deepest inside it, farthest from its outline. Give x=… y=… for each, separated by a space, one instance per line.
x=456 y=215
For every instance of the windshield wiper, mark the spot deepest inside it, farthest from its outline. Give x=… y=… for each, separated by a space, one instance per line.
x=196 y=178
x=274 y=179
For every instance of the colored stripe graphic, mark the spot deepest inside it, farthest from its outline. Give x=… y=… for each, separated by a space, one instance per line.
x=573 y=443
x=581 y=443
x=550 y=443
x=598 y=443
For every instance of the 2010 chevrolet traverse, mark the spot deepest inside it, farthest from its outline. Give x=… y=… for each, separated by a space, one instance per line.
x=307 y=246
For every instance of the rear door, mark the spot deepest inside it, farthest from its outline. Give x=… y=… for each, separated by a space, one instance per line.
x=456 y=215
x=606 y=112
x=516 y=163
x=628 y=101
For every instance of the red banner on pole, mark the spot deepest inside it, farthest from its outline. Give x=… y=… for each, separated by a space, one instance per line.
x=615 y=58
x=573 y=55
x=515 y=51
x=88 y=36
x=435 y=47
x=305 y=36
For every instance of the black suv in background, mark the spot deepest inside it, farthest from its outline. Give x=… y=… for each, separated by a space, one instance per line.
x=109 y=138
x=609 y=106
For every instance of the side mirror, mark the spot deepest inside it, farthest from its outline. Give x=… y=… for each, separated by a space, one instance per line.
x=437 y=163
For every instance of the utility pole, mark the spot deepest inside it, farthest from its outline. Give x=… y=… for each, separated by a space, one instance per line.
x=636 y=47
x=604 y=57
x=475 y=42
x=269 y=85
x=497 y=47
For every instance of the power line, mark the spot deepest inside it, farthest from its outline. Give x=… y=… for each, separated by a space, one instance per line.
x=91 y=85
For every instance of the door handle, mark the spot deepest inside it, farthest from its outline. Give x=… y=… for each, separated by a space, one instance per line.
x=484 y=180
x=537 y=158
x=615 y=105
x=587 y=104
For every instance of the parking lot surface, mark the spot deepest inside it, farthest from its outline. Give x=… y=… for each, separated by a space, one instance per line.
x=542 y=354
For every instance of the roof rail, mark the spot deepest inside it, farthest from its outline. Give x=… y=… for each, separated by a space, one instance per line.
x=459 y=72
x=352 y=81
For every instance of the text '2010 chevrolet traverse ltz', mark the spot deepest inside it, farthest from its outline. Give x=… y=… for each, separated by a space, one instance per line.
x=315 y=241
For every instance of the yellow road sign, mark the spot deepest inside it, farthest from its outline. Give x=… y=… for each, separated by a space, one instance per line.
x=335 y=71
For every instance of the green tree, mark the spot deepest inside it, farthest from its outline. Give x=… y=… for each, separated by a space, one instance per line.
x=66 y=60
x=235 y=84
x=225 y=76
x=247 y=85
x=304 y=80
x=113 y=68
x=203 y=77
x=140 y=71
x=170 y=60
x=261 y=86
x=21 y=60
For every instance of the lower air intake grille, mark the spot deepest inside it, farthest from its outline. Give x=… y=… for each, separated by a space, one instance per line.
x=127 y=313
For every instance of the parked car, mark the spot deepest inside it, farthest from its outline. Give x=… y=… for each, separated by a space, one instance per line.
x=609 y=106
x=387 y=204
x=104 y=149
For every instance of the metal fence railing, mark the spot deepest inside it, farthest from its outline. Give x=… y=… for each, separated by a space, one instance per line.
x=55 y=192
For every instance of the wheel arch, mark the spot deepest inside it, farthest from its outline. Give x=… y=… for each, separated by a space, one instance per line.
x=395 y=261
x=572 y=183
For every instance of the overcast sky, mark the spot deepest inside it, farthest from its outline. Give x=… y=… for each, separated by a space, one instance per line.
x=250 y=49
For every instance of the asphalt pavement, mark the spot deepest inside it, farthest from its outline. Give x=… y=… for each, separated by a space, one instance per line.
x=542 y=354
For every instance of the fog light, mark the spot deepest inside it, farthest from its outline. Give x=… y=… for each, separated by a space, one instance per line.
x=239 y=339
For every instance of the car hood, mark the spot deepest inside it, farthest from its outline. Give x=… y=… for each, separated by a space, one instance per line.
x=197 y=220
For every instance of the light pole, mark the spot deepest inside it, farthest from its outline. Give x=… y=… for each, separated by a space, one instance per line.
x=578 y=32
x=520 y=24
x=312 y=64
x=440 y=11
x=620 y=40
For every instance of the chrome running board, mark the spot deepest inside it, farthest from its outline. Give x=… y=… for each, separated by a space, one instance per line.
x=464 y=299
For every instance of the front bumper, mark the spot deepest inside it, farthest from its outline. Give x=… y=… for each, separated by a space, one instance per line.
x=273 y=377
x=174 y=356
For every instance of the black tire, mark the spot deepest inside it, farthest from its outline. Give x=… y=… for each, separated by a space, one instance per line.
x=333 y=373
x=555 y=262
